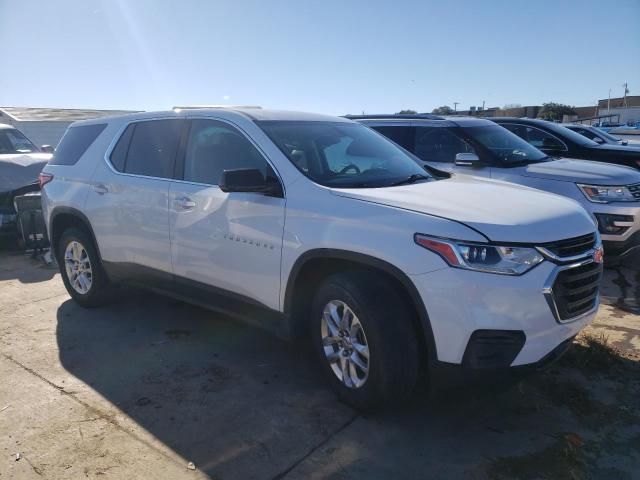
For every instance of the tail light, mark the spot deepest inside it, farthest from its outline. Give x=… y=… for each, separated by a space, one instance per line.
x=44 y=178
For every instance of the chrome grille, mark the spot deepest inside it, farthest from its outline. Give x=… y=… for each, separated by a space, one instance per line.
x=575 y=290
x=571 y=247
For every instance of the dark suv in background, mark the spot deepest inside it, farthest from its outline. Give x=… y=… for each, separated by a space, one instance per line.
x=558 y=141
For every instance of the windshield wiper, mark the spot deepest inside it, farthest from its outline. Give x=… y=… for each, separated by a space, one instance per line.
x=410 y=179
x=528 y=161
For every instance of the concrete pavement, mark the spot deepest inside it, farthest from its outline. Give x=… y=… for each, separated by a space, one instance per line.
x=143 y=387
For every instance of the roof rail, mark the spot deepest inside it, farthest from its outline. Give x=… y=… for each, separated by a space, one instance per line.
x=418 y=116
x=177 y=108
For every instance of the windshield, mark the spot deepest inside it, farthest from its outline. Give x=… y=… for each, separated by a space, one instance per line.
x=12 y=141
x=504 y=146
x=344 y=155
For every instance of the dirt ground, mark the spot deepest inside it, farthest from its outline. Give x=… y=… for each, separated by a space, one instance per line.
x=144 y=387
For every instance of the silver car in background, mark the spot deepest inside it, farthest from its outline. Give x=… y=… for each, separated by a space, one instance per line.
x=473 y=146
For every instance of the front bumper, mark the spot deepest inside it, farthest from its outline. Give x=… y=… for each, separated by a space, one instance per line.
x=619 y=249
x=445 y=375
x=461 y=302
x=617 y=245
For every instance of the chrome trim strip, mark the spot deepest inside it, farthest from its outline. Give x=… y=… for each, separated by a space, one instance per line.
x=552 y=256
x=585 y=255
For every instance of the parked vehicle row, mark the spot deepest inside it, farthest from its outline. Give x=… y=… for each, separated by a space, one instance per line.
x=479 y=147
x=558 y=141
x=600 y=136
x=387 y=269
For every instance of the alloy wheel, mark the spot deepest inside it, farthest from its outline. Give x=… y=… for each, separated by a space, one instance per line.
x=345 y=344
x=78 y=267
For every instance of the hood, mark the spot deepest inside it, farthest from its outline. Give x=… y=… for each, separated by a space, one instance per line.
x=502 y=211
x=582 y=171
x=18 y=170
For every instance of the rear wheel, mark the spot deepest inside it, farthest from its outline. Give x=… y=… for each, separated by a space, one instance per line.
x=364 y=340
x=81 y=269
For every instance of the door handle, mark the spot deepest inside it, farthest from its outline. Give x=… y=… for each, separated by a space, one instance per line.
x=185 y=203
x=100 y=189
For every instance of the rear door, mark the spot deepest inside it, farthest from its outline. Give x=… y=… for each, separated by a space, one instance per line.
x=224 y=241
x=128 y=200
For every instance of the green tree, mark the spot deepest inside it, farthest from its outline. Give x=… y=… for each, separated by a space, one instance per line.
x=407 y=112
x=443 y=110
x=555 y=111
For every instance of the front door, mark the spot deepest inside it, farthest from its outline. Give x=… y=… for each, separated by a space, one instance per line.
x=229 y=241
x=438 y=147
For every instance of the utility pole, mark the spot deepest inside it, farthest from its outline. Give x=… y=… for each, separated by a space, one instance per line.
x=483 y=105
x=609 y=103
x=626 y=90
x=455 y=106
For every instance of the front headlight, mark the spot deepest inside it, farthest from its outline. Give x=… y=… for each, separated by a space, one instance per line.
x=504 y=260
x=606 y=194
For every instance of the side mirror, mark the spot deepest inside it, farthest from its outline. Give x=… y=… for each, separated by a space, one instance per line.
x=250 y=180
x=467 y=160
x=46 y=149
x=624 y=142
x=598 y=140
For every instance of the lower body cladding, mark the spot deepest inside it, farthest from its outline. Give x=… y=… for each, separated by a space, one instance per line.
x=486 y=324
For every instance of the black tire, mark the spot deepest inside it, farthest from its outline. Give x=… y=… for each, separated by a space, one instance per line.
x=100 y=291
x=386 y=321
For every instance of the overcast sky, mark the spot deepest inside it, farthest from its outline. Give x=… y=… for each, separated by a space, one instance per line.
x=331 y=56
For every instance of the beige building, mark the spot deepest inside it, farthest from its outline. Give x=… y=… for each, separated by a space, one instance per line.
x=45 y=126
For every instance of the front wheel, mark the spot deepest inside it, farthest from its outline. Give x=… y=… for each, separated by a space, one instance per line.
x=81 y=269
x=364 y=339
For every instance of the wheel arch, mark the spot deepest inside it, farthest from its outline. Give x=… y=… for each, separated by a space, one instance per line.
x=66 y=217
x=316 y=264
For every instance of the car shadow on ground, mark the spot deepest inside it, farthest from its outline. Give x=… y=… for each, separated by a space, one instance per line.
x=12 y=266
x=226 y=396
x=240 y=403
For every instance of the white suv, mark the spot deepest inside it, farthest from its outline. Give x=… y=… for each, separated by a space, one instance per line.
x=331 y=230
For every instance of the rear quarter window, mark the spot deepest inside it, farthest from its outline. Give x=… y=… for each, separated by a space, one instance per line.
x=119 y=154
x=75 y=142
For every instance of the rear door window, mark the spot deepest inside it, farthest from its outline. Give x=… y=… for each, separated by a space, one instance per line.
x=153 y=148
x=402 y=135
x=75 y=142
